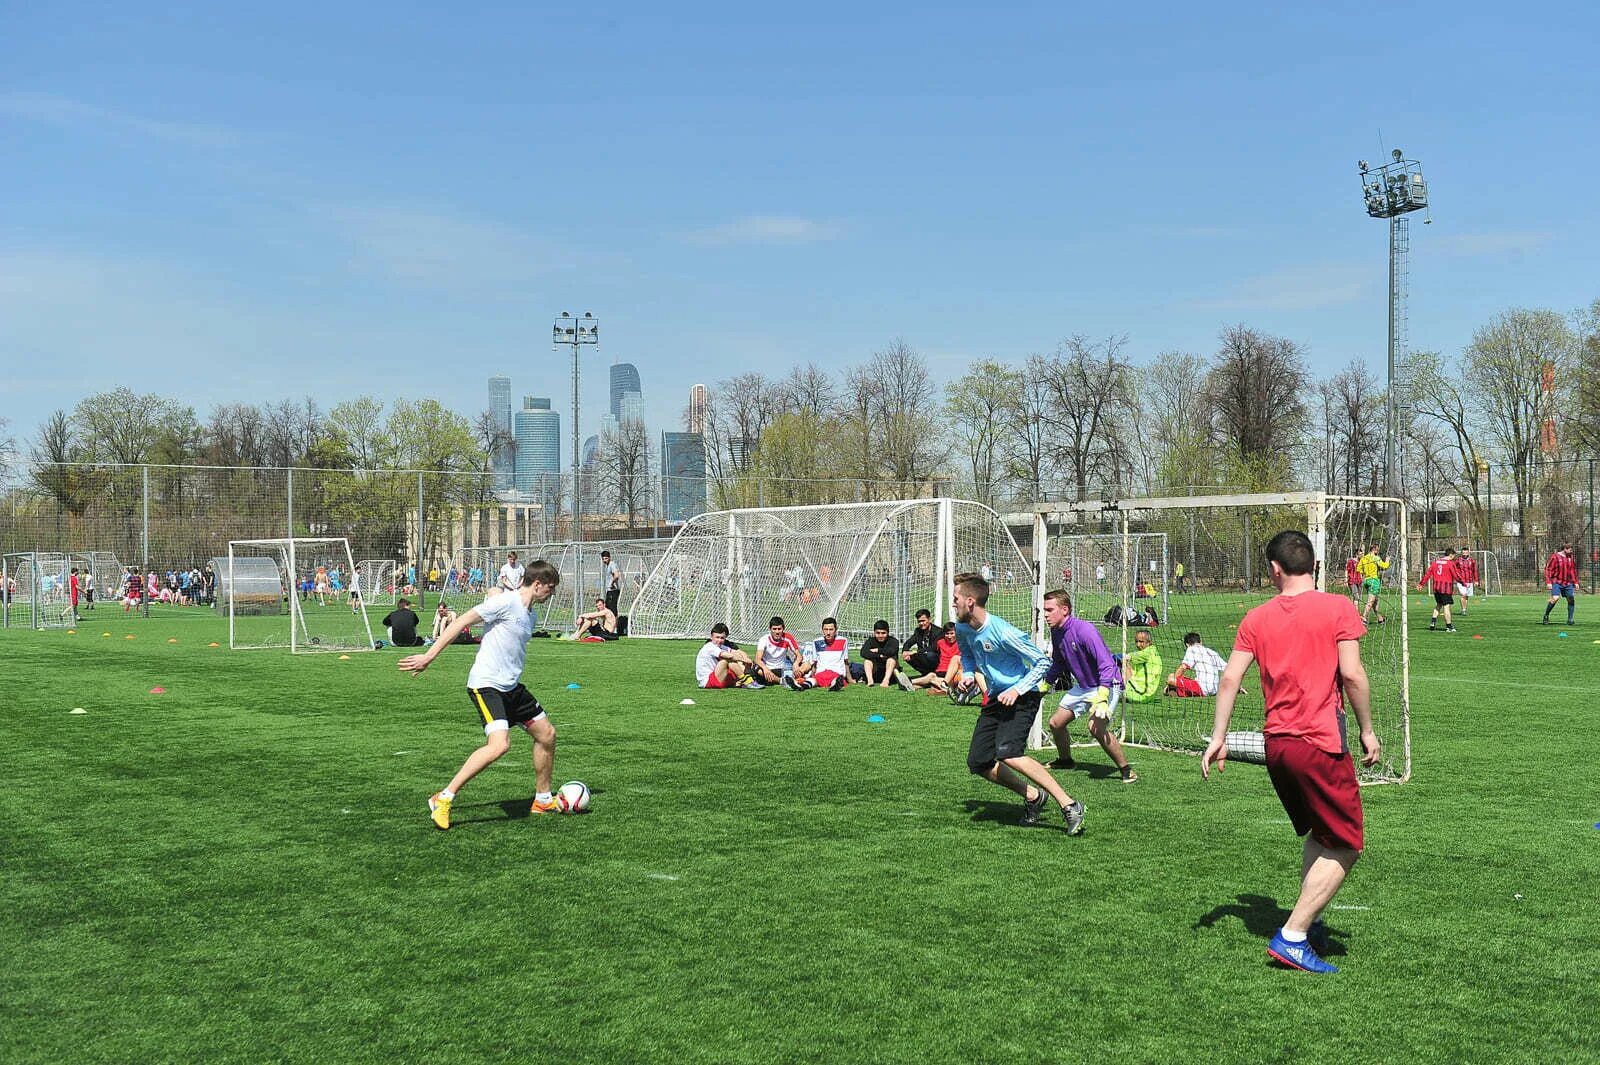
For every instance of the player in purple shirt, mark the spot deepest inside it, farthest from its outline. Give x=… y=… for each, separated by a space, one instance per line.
x=1078 y=654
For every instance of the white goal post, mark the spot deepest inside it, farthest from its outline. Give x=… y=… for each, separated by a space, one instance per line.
x=34 y=590
x=1221 y=541
x=266 y=588
x=377 y=581
x=856 y=562
x=1488 y=574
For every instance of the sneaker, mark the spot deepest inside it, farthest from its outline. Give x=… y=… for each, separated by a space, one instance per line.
x=749 y=681
x=1063 y=762
x=1449 y=628
x=1033 y=809
x=439 y=810
x=904 y=681
x=1128 y=775
x=837 y=685
x=1317 y=936
x=1073 y=815
x=1432 y=627
x=790 y=683
x=1546 y=620
x=1297 y=955
x=548 y=807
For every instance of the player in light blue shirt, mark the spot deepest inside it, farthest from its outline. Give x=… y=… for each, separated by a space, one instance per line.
x=1014 y=670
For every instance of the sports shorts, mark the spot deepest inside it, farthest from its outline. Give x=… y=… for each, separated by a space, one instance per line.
x=1001 y=732
x=826 y=677
x=714 y=682
x=502 y=709
x=1466 y=590
x=1080 y=700
x=1188 y=687
x=1565 y=591
x=1372 y=586
x=1443 y=599
x=1318 y=791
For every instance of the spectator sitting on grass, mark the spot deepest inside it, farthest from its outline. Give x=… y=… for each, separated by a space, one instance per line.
x=719 y=666
x=1141 y=669
x=880 y=654
x=402 y=624
x=442 y=619
x=597 y=625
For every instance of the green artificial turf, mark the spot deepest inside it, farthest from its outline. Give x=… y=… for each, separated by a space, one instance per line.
x=242 y=869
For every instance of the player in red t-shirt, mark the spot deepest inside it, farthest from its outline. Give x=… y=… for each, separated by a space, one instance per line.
x=1441 y=577
x=1562 y=574
x=1466 y=579
x=1307 y=647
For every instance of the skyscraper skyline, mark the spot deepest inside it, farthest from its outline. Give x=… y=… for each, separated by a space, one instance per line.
x=683 y=472
x=502 y=461
x=537 y=429
x=697 y=409
x=624 y=378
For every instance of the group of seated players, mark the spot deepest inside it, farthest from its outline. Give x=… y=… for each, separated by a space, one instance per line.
x=929 y=660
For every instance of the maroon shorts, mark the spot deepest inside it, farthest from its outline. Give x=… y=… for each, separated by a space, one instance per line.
x=1318 y=791
x=1187 y=687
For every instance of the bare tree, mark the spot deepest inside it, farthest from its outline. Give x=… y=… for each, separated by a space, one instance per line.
x=1094 y=404
x=810 y=388
x=1027 y=445
x=1584 y=421
x=1516 y=367
x=907 y=416
x=121 y=426
x=499 y=448
x=55 y=451
x=1358 y=427
x=1437 y=398
x=1178 y=417
x=1254 y=390
x=623 y=464
x=980 y=408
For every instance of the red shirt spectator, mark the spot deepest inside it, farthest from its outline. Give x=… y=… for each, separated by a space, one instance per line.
x=1561 y=569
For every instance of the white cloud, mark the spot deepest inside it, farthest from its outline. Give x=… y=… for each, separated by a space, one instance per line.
x=61 y=111
x=768 y=229
x=1295 y=288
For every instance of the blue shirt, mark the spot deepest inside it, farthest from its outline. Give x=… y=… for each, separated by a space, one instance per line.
x=1004 y=655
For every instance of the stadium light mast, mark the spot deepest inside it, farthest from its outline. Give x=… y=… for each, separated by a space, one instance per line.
x=1393 y=191
x=576 y=332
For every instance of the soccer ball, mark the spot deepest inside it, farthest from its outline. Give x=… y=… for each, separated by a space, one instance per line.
x=966 y=696
x=573 y=798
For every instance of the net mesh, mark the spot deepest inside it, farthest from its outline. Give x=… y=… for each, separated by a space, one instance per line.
x=856 y=562
x=1488 y=574
x=1222 y=549
x=36 y=591
x=376 y=578
x=291 y=593
x=1094 y=569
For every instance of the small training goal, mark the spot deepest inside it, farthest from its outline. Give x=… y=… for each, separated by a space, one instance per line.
x=282 y=593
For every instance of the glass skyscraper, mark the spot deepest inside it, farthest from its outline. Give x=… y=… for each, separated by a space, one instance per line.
x=502 y=461
x=624 y=378
x=683 y=468
x=537 y=430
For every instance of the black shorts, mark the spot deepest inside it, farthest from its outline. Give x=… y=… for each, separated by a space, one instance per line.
x=1443 y=599
x=923 y=661
x=1002 y=732
x=515 y=707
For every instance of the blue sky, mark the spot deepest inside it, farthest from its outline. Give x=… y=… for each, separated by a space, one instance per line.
x=394 y=199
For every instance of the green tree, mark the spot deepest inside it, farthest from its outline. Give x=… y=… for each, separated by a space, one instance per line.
x=979 y=408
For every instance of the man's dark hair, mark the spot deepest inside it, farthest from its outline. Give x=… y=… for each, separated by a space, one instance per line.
x=511 y=554
x=1191 y=638
x=974 y=585
x=880 y=624
x=719 y=627
x=1292 y=551
x=949 y=626
x=831 y=621
x=775 y=621
x=402 y=601
x=605 y=554
x=541 y=572
x=924 y=614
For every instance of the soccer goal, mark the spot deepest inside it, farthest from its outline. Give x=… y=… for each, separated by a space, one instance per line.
x=101 y=573
x=1488 y=574
x=1103 y=570
x=1221 y=542
x=857 y=562
x=377 y=581
x=35 y=592
x=268 y=590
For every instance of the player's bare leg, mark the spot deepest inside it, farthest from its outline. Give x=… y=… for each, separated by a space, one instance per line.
x=544 y=751
x=1324 y=872
x=1036 y=774
x=495 y=745
x=1100 y=729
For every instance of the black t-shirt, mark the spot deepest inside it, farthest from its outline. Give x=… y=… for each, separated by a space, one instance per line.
x=876 y=650
x=923 y=642
x=403 y=624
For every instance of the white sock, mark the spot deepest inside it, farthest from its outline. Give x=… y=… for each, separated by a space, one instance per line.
x=447 y=795
x=1293 y=937
x=543 y=796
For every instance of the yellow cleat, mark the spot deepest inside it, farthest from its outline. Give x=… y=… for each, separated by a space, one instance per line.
x=545 y=807
x=439 y=810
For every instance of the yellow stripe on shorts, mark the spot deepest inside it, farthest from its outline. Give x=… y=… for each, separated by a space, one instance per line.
x=483 y=707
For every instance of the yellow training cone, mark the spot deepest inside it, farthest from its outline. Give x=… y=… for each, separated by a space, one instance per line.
x=72 y=632
x=213 y=643
x=344 y=658
x=172 y=639
x=105 y=634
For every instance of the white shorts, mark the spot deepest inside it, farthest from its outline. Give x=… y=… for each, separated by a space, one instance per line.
x=1465 y=590
x=1079 y=700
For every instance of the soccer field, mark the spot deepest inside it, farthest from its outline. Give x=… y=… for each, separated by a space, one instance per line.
x=241 y=869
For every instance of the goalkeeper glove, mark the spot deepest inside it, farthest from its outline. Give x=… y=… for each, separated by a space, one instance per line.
x=1100 y=705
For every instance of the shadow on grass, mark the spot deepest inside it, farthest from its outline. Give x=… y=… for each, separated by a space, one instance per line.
x=511 y=809
x=1009 y=813
x=1261 y=916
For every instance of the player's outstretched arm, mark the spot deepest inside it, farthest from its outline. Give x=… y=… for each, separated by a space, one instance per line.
x=418 y=663
x=1227 y=691
x=1359 y=691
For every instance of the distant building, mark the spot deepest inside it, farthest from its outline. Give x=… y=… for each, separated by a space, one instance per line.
x=624 y=378
x=591 y=448
x=683 y=473
x=502 y=462
x=537 y=430
x=630 y=408
x=697 y=409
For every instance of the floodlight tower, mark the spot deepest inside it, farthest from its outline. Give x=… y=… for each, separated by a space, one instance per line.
x=1393 y=191
x=576 y=332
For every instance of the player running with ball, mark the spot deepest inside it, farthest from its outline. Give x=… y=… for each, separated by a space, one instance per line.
x=1307 y=646
x=1014 y=670
x=494 y=685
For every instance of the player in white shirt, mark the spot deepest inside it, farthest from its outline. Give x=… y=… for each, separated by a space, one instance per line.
x=494 y=685
x=717 y=665
x=1200 y=671
x=778 y=657
x=511 y=573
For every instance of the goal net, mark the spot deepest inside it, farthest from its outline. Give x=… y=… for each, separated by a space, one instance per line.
x=1102 y=570
x=582 y=571
x=99 y=572
x=377 y=580
x=857 y=562
x=35 y=592
x=1221 y=541
x=1488 y=574
x=287 y=593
